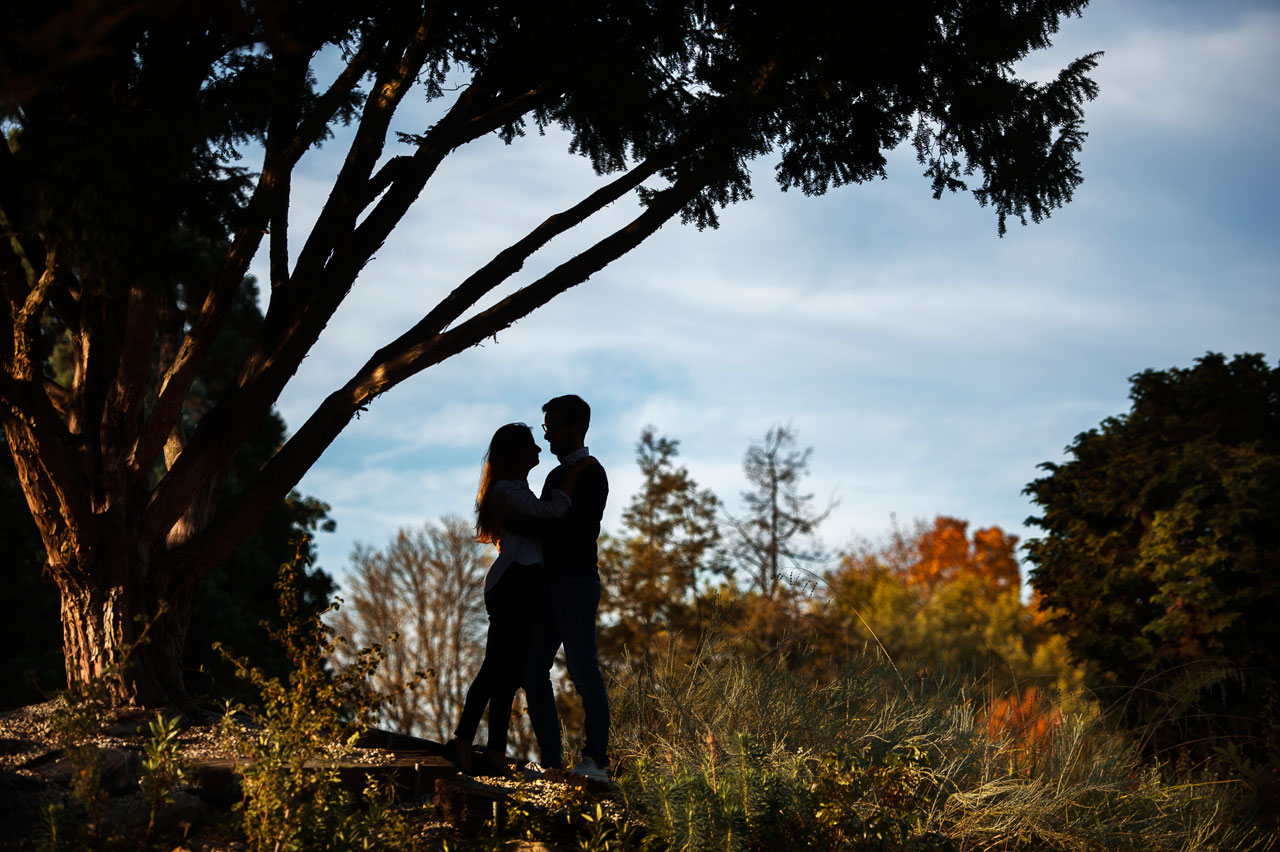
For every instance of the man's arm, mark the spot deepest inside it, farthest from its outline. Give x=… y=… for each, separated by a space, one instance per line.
x=583 y=520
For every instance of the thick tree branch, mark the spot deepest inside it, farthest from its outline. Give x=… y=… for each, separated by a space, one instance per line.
x=124 y=408
x=99 y=351
x=294 y=327
x=56 y=489
x=316 y=122
x=413 y=174
x=279 y=245
x=229 y=529
x=303 y=323
x=285 y=145
x=347 y=199
x=511 y=260
x=225 y=427
x=284 y=150
x=59 y=397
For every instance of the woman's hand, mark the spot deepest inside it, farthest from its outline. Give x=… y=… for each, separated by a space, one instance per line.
x=571 y=474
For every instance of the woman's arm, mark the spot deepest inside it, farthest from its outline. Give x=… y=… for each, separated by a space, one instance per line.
x=519 y=500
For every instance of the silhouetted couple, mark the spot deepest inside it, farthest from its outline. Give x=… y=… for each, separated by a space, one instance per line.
x=541 y=592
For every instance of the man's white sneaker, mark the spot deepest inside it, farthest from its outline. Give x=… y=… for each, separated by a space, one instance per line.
x=589 y=769
x=532 y=771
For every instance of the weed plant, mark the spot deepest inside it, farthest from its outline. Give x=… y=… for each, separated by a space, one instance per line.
x=730 y=751
x=163 y=770
x=287 y=745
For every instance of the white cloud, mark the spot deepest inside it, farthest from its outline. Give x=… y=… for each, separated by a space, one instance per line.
x=1216 y=74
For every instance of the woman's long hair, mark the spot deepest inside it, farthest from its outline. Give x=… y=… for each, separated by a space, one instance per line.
x=503 y=461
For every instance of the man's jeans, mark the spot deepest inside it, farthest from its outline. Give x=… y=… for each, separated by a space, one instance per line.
x=565 y=613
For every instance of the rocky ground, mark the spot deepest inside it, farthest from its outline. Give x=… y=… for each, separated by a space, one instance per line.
x=35 y=774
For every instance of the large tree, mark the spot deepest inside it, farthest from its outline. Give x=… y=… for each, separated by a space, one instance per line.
x=231 y=603
x=1161 y=545
x=125 y=120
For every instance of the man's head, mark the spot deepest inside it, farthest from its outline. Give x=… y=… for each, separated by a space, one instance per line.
x=565 y=421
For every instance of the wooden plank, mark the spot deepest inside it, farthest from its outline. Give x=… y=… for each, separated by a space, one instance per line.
x=414 y=775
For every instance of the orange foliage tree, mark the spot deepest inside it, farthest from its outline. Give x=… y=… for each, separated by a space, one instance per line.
x=944 y=552
x=939 y=598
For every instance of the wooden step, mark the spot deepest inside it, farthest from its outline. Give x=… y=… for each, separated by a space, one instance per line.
x=413 y=773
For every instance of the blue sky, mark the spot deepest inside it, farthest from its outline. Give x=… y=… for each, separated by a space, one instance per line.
x=929 y=363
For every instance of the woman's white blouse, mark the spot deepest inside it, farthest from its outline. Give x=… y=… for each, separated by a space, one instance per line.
x=513 y=547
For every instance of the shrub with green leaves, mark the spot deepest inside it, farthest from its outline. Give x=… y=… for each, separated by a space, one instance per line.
x=574 y=819
x=163 y=770
x=287 y=745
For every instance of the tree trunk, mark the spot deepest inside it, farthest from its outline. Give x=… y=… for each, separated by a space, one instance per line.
x=120 y=633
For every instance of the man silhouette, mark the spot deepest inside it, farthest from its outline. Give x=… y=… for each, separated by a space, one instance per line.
x=569 y=596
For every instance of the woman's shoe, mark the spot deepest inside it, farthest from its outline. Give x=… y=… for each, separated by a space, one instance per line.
x=459 y=755
x=494 y=764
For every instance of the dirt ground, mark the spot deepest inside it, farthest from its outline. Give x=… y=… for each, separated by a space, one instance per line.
x=35 y=774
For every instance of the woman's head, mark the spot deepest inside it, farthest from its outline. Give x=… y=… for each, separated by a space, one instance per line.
x=512 y=454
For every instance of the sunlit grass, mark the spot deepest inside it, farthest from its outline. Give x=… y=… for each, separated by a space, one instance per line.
x=738 y=750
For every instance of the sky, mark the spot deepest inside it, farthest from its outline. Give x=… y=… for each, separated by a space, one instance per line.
x=929 y=363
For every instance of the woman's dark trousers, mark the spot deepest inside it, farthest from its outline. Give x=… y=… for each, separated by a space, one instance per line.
x=505 y=650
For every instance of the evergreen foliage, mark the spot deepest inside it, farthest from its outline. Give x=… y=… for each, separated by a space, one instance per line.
x=669 y=544
x=1159 y=553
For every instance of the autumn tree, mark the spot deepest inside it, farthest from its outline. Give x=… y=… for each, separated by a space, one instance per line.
x=669 y=543
x=427 y=589
x=1161 y=537
x=945 y=552
x=779 y=527
x=934 y=597
x=130 y=124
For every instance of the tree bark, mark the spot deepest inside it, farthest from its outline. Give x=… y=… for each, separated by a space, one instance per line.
x=127 y=631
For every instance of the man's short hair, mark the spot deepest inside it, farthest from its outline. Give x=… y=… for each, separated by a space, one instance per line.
x=572 y=408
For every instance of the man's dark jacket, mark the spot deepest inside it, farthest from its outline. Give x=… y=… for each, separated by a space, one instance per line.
x=569 y=543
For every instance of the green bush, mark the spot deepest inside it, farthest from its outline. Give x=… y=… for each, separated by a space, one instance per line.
x=287 y=745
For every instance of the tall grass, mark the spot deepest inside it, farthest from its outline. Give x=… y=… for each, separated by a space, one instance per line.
x=737 y=751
